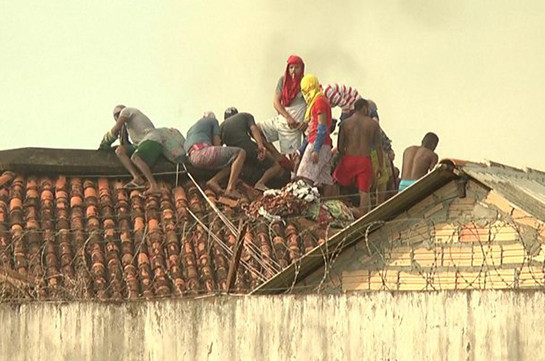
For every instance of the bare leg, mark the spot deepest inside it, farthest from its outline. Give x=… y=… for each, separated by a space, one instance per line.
x=269 y=174
x=236 y=168
x=154 y=188
x=121 y=153
x=214 y=182
x=365 y=202
x=329 y=190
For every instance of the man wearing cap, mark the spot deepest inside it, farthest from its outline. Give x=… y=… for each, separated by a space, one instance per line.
x=204 y=151
x=143 y=153
x=240 y=130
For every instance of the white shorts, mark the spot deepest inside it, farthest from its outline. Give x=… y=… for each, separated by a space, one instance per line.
x=319 y=173
x=277 y=129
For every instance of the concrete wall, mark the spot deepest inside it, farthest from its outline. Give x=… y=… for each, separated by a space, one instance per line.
x=476 y=325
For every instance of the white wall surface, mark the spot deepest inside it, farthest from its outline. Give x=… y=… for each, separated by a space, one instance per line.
x=488 y=325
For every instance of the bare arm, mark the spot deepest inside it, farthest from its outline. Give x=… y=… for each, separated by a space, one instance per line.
x=256 y=134
x=277 y=104
x=340 y=142
x=378 y=139
x=121 y=120
x=433 y=162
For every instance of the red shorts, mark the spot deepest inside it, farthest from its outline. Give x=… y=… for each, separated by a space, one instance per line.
x=355 y=169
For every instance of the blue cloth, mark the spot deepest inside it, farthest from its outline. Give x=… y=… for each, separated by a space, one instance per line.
x=406 y=183
x=202 y=132
x=303 y=147
x=320 y=137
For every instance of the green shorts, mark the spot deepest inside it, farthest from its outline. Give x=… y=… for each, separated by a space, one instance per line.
x=148 y=150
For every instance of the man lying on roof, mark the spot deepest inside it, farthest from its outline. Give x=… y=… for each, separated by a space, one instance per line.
x=148 y=144
x=240 y=130
x=204 y=150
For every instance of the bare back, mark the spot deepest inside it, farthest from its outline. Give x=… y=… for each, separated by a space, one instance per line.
x=358 y=135
x=417 y=162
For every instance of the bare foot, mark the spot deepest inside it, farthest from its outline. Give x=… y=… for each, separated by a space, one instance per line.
x=214 y=186
x=152 y=192
x=233 y=194
x=261 y=187
x=135 y=184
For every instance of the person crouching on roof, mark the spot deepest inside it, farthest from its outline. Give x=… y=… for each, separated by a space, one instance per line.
x=204 y=150
x=144 y=151
x=315 y=166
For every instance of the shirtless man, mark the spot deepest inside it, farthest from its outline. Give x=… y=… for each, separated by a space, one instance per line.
x=204 y=150
x=418 y=160
x=358 y=135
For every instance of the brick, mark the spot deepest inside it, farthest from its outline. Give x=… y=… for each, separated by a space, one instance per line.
x=531 y=277
x=437 y=208
x=513 y=253
x=503 y=233
x=500 y=278
x=383 y=280
x=491 y=254
x=457 y=256
x=412 y=281
x=444 y=280
x=355 y=280
x=427 y=258
x=446 y=233
x=496 y=200
x=474 y=233
x=471 y=280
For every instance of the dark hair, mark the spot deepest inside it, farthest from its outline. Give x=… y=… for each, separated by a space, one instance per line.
x=229 y=112
x=360 y=104
x=430 y=140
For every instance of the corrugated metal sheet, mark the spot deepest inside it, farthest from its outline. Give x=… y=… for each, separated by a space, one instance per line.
x=523 y=188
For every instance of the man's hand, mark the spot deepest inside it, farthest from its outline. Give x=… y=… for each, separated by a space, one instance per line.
x=292 y=123
x=314 y=157
x=261 y=153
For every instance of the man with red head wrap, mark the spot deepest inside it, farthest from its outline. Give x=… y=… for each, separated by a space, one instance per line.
x=291 y=107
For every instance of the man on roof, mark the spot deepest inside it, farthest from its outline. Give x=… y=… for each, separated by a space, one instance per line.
x=315 y=166
x=148 y=143
x=240 y=130
x=287 y=127
x=418 y=160
x=358 y=136
x=204 y=150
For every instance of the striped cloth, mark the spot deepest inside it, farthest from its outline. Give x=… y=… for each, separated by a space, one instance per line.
x=341 y=96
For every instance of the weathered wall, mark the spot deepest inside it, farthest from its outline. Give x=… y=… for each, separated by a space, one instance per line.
x=476 y=325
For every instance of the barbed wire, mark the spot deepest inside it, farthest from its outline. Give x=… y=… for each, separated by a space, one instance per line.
x=378 y=247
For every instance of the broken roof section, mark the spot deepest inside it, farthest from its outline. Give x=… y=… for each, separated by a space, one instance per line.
x=519 y=194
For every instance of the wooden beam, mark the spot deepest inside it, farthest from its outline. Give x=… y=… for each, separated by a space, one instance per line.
x=237 y=253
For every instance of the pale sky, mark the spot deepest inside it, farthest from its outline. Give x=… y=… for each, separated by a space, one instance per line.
x=473 y=71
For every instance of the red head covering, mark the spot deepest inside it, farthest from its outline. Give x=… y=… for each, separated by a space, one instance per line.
x=292 y=86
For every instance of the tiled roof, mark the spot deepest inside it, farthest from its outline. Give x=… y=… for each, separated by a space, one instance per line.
x=74 y=237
